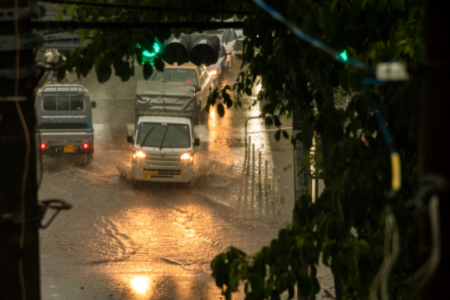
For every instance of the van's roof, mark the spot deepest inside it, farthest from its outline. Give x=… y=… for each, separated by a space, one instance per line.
x=164 y=119
x=63 y=88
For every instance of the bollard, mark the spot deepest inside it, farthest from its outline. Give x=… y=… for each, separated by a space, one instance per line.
x=273 y=185
x=249 y=152
x=286 y=206
x=265 y=177
x=280 y=192
x=259 y=155
x=253 y=160
x=286 y=197
x=259 y=172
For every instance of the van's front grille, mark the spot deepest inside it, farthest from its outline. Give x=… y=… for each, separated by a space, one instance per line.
x=80 y=125
x=163 y=173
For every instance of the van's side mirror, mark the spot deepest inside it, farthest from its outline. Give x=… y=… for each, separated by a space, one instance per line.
x=196 y=142
x=93 y=104
x=197 y=88
x=130 y=139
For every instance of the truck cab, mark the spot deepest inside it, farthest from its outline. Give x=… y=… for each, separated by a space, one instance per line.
x=164 y=140
x=64 y=121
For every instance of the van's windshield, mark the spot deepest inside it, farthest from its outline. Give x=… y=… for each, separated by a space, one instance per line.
x=176 y=75
x=164 y=135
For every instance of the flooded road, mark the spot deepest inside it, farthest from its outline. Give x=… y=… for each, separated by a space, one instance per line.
x=156 y=241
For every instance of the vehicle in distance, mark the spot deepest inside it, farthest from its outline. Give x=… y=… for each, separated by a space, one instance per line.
x=218 y=69
x=64 y=121
x=164 y=141
x=190 y=74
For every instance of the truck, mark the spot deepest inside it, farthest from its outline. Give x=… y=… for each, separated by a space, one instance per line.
x=188 y=73
x=163 y=140
x=64 y=121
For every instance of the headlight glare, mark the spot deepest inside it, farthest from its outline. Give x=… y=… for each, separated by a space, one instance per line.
x=186 y=156
x=138 y=154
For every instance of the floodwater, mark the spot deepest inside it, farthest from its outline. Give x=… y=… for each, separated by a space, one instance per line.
x=157 y=240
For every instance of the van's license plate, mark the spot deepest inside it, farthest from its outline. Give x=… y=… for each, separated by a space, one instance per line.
x=148 y=174
x=69 y=149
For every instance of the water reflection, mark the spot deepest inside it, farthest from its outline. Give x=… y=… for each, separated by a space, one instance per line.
x=212 y=114
x=140 y=284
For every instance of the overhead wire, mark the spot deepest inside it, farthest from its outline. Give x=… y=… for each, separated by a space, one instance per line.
x=143 y=7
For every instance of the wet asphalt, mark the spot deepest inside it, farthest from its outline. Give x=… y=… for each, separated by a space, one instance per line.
x=156 y=241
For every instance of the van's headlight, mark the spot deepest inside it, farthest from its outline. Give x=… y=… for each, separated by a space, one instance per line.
x=186 y=156
x=138 y=154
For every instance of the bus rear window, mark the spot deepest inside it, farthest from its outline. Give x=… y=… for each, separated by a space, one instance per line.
x=63 y=103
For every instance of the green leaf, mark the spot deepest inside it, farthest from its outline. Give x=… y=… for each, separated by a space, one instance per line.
x=364 y=247
x=285 y=135
x=277 y=135
x=318 y=16
x=159 y=64
x=333 y=5
x=59 y=16
x=148 y=70
x=277 y=121
x=220 y=110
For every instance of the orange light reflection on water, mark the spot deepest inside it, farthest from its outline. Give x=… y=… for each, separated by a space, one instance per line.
x=140 y=284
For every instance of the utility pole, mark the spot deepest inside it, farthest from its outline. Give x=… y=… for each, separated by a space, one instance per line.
x=301 y=180
x=434 y=151
x=19 y=240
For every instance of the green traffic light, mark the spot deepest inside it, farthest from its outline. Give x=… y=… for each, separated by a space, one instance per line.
x=151 y=54
x=156 y=47
x=147 y=55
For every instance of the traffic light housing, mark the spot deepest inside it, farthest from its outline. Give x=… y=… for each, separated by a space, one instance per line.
x=196 y=48
x=177 y=50
x=204 y=49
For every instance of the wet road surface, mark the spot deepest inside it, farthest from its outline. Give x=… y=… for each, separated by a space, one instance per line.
x=156 y=241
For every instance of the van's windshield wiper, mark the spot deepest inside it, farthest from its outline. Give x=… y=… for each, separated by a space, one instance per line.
x=146 y=136
x=162 y=142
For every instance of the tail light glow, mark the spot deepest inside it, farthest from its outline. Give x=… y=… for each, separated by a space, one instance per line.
x=43 y=146
x=188 y=81
x=85 y=146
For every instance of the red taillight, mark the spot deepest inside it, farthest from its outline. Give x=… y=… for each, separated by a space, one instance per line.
x=85 y=146
x=43 y=146
x=188 y=81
